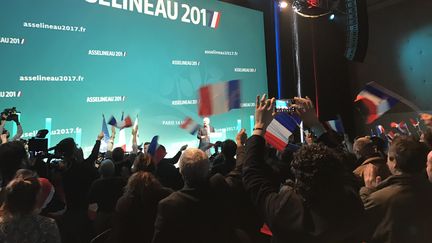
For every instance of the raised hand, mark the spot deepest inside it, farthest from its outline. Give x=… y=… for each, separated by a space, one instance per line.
x=241 y=137
x=370 y=177
x=264 y=113
x=184 y=147
x=3 y=138
x=135 y=130
x=100 y=136
x=306 y=110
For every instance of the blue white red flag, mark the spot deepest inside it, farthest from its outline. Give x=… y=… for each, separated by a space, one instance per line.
x=219 y=98
x=190 y=125
x=377 y=100
x=280 y=129
x=380 y=130
x=213 y=19
x=336 y=125
x=105 y=130
x=112 y=121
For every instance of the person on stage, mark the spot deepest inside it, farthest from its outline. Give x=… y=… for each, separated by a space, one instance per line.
x=204 y=135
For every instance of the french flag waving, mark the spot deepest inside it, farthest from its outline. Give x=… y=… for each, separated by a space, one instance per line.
x=280 y=129
x=190 y=125
x=219 y=98
x=377 y=100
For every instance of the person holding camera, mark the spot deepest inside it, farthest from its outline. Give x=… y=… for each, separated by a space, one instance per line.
x=4 y=134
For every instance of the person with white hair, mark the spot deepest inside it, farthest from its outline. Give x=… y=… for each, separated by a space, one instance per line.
x=204 y=135
x=196 y=213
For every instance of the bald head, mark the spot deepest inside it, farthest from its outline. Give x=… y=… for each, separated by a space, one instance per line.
x=194 y=166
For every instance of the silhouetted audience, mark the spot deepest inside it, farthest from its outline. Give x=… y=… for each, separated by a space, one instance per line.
x=77 y=175
x=103 y=196
x=306 y=193
x=166 y=172
x=136 y=210
x=197 y=212
x=225 y=161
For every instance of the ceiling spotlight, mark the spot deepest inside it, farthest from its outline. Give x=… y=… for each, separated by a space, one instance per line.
x=283 y=4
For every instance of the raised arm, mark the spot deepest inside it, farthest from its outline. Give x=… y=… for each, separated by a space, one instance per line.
x=2 y=123
x=134 y=139
x=19 y=132
x=95 y=151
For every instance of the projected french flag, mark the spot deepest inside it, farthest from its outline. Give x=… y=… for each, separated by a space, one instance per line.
x=213 y=18
x=219 y=98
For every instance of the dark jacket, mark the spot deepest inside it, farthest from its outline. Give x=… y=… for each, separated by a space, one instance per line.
x=335 y=218
x=168 y=175
x=399 y=210
x=197 y=215
x=134 y=218
x=203 y=132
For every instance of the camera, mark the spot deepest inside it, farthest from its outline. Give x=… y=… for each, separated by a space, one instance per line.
x=10 y=113
x=284 y=105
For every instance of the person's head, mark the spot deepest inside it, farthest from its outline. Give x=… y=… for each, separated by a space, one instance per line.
x=66 y=148
x=13 y=157
x=21 y=196
x=407 y=155
x=316 y=170
x=206 y=121
x=141 y=184
x=143 y=163
x=118 y=154
x=229 y=148
x=364 y=148
x=25 y=173
x=194 y=166
x=107 y=168
x=146 y=145
x=6 y=132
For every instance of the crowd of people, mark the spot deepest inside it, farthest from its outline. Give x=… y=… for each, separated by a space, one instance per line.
x=249 y=192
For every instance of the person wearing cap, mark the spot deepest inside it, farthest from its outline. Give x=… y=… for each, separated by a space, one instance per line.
x=103 y=196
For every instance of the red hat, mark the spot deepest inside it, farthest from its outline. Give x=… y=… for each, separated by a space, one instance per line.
x=47 y=192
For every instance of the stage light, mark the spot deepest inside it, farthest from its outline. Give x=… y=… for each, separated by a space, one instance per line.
x=283 y=4
x=332 y=17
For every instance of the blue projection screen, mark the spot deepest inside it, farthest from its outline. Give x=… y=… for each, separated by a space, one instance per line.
x=64 y=63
